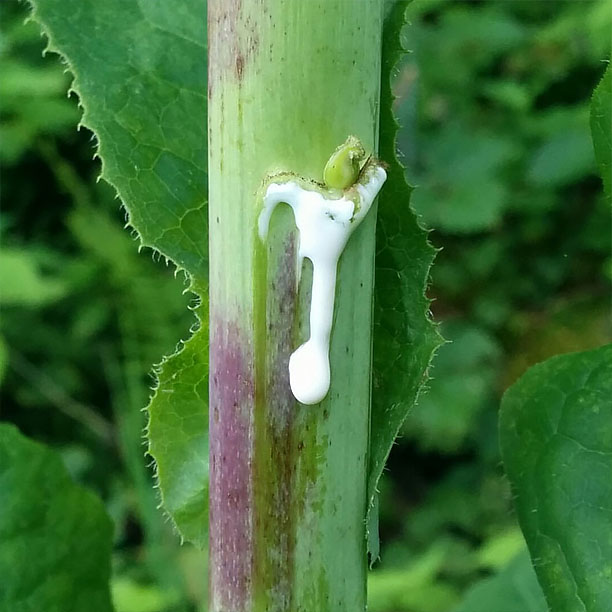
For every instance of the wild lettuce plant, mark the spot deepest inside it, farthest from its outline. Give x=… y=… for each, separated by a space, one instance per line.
x=198 y=112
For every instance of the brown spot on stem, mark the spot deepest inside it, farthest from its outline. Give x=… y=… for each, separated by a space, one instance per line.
x=239 y=65
x=232 y=39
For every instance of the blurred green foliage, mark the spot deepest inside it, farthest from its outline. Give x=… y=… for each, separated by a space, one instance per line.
x=494 y=102
x=494 y=105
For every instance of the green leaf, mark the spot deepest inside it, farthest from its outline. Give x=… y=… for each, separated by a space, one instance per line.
x=140 y=73
x=601 y=129
x=514 y=589
x=556 y=439
x=404 y=336
x=56 y=537
x=178 y=436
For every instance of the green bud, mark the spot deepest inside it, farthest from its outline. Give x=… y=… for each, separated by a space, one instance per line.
x=342 y=169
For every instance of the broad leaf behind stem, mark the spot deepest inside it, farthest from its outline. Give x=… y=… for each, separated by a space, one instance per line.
x=556 y=440
x=140 y=73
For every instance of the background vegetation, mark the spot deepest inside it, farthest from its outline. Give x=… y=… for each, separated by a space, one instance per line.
x=494 y=107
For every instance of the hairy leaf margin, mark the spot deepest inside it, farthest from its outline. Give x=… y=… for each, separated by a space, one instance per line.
x=405 y=338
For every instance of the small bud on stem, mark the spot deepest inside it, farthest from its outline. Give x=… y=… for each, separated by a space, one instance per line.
x=344 y=165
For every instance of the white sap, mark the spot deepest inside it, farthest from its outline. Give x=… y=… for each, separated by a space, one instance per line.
x=324 y=225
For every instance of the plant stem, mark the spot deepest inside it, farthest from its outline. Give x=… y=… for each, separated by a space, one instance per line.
x=288 y=82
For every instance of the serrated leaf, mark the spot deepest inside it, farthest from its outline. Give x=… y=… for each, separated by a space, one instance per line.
x=404 y=336
x=556 y=440
x=601 y=129
x=140 y=73
x=178 y=436
x=56 y=536
x=514 y=589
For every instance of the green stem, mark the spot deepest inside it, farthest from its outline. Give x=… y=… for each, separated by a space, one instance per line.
x=288 y=82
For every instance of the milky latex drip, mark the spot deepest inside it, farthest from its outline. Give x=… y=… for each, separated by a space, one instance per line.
x=324 y=225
